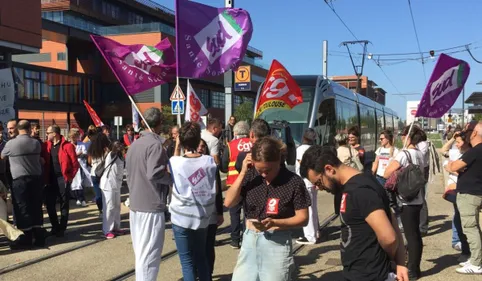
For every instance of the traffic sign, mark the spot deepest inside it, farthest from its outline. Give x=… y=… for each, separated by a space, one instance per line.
x=177 y=94
x=242 y=78
x=177 y=107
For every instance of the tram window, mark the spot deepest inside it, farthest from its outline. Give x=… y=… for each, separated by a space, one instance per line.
x=368 y=127
x=346 y=116
x=381 y=121
x=325 y=122
x=389 y=120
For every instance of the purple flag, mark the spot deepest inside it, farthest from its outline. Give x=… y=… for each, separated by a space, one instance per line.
x=444 y=87
x=138 y=67
x=210 y=41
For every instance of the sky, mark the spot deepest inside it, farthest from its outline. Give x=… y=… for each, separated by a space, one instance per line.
x=293 y=31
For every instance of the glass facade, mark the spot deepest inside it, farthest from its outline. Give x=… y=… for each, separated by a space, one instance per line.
x=37 y=84
x=217 y=99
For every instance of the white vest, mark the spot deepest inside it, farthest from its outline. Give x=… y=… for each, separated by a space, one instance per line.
x=193 y=191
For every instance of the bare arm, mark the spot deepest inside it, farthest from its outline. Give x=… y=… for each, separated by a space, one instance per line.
x=446 y=147
x=386 y=235
x=375 y=166
x=455 y=166
x=392 y=167
x=300 y=219
x=233 y=194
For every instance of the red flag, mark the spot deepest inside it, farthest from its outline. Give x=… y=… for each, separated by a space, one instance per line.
x=279 y=91
x=93 y=115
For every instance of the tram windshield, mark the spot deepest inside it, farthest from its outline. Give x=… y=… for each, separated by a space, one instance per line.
x=298 y=117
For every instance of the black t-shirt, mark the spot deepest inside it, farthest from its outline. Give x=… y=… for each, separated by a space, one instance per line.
x=54 y=160
x=362 y=256
x=470 y=180
x=280 y=199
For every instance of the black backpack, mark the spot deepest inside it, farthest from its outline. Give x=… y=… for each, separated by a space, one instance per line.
x=410 y=180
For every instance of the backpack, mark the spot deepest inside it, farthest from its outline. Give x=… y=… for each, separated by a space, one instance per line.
x=410 y=180
x=99 y=170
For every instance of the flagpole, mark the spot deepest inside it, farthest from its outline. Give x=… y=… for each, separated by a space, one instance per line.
x=408 y=135
x=178 y=55
x=140 y=114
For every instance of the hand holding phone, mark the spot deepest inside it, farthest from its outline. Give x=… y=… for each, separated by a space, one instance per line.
x=257 y=224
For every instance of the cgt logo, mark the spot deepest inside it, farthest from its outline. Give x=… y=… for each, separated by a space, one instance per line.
x=244 y=146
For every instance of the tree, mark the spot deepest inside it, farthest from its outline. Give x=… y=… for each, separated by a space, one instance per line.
x=478 y=117
x=244 y=112
x=169 y=119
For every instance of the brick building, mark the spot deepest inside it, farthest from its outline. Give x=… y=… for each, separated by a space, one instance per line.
x=368 y=88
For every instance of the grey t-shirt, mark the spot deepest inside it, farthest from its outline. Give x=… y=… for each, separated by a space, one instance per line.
x=24 y=156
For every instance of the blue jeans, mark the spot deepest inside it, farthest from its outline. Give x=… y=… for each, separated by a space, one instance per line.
x=191 y=246
x=457 y=231
x=265 y=256
x=97 y=191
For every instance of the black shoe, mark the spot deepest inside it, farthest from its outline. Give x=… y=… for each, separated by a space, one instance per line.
x=39 y=237
x=56 y=233
x=234 y=245
x=23 y=242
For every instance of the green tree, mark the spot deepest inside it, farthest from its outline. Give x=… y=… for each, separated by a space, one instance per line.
x=478 y=116
x=245 y=112
x=169 y=119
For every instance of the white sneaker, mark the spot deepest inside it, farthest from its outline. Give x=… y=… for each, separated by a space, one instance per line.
x=469 y=269
x=84 y=204
x=78 y=203
x=457 y=246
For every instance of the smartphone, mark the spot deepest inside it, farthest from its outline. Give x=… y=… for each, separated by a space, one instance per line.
x=257 y=223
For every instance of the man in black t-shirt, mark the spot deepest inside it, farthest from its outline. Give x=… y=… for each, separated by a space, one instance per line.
x=469 y=197
x=370 y=237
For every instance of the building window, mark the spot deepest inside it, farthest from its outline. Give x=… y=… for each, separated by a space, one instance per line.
x=203 y=95
x=111 y=10
x=32 y=84
x=238 y=100
x=217 y=100
x=135 y=18
x=61 y=56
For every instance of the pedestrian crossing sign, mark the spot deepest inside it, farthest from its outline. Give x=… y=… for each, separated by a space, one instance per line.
x=177 y=107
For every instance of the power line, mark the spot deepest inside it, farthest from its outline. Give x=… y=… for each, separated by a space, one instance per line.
x=342 y=21
x=418 y=41
x=388 y=78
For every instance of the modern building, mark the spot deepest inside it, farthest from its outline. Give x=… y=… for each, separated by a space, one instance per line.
x=68 y=68
x=368 y=88
x=18 y=35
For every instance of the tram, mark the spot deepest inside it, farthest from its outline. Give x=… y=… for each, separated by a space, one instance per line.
x=330 y=108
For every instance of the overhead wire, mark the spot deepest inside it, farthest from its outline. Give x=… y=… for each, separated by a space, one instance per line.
x=416 y=37
x=354 y=36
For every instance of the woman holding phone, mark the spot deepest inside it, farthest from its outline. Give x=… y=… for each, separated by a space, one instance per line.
x=275 y=200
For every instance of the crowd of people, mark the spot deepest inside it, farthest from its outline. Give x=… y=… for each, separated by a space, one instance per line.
x=177 y=178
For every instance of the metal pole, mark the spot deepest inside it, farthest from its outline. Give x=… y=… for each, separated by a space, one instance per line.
x=325 y=58
x=179 y=101
x=118 y=127
x=228 y=81
x=463 y=107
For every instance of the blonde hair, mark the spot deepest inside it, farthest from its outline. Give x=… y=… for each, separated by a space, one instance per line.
x=268 y=149
x=74 y=132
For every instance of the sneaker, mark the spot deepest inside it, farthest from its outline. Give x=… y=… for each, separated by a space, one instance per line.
x=234 y=244
x=457 y=246
x=84 y=204
x=110 y=235
x=78 y=203
x=304 y=241
x=119 y=232
x=469 y=269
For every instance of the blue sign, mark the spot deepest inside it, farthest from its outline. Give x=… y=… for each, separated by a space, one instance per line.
x=177 y=107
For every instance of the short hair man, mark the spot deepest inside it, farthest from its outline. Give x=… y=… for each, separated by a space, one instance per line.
x=24 y=154
x=148 y=180
x=12 y=129
x=211 y=136
x=469 y=196
x=60 y=167
x=259 y=129
x=370 y=237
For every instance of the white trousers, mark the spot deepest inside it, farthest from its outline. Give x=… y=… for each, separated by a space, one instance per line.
x=111 y=218
x=311 y=231
x=147 y=232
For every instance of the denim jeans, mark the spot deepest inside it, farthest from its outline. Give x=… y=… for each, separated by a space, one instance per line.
x=265 y=256
x=191 y=246
x=97 y=191
x=457 y=230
